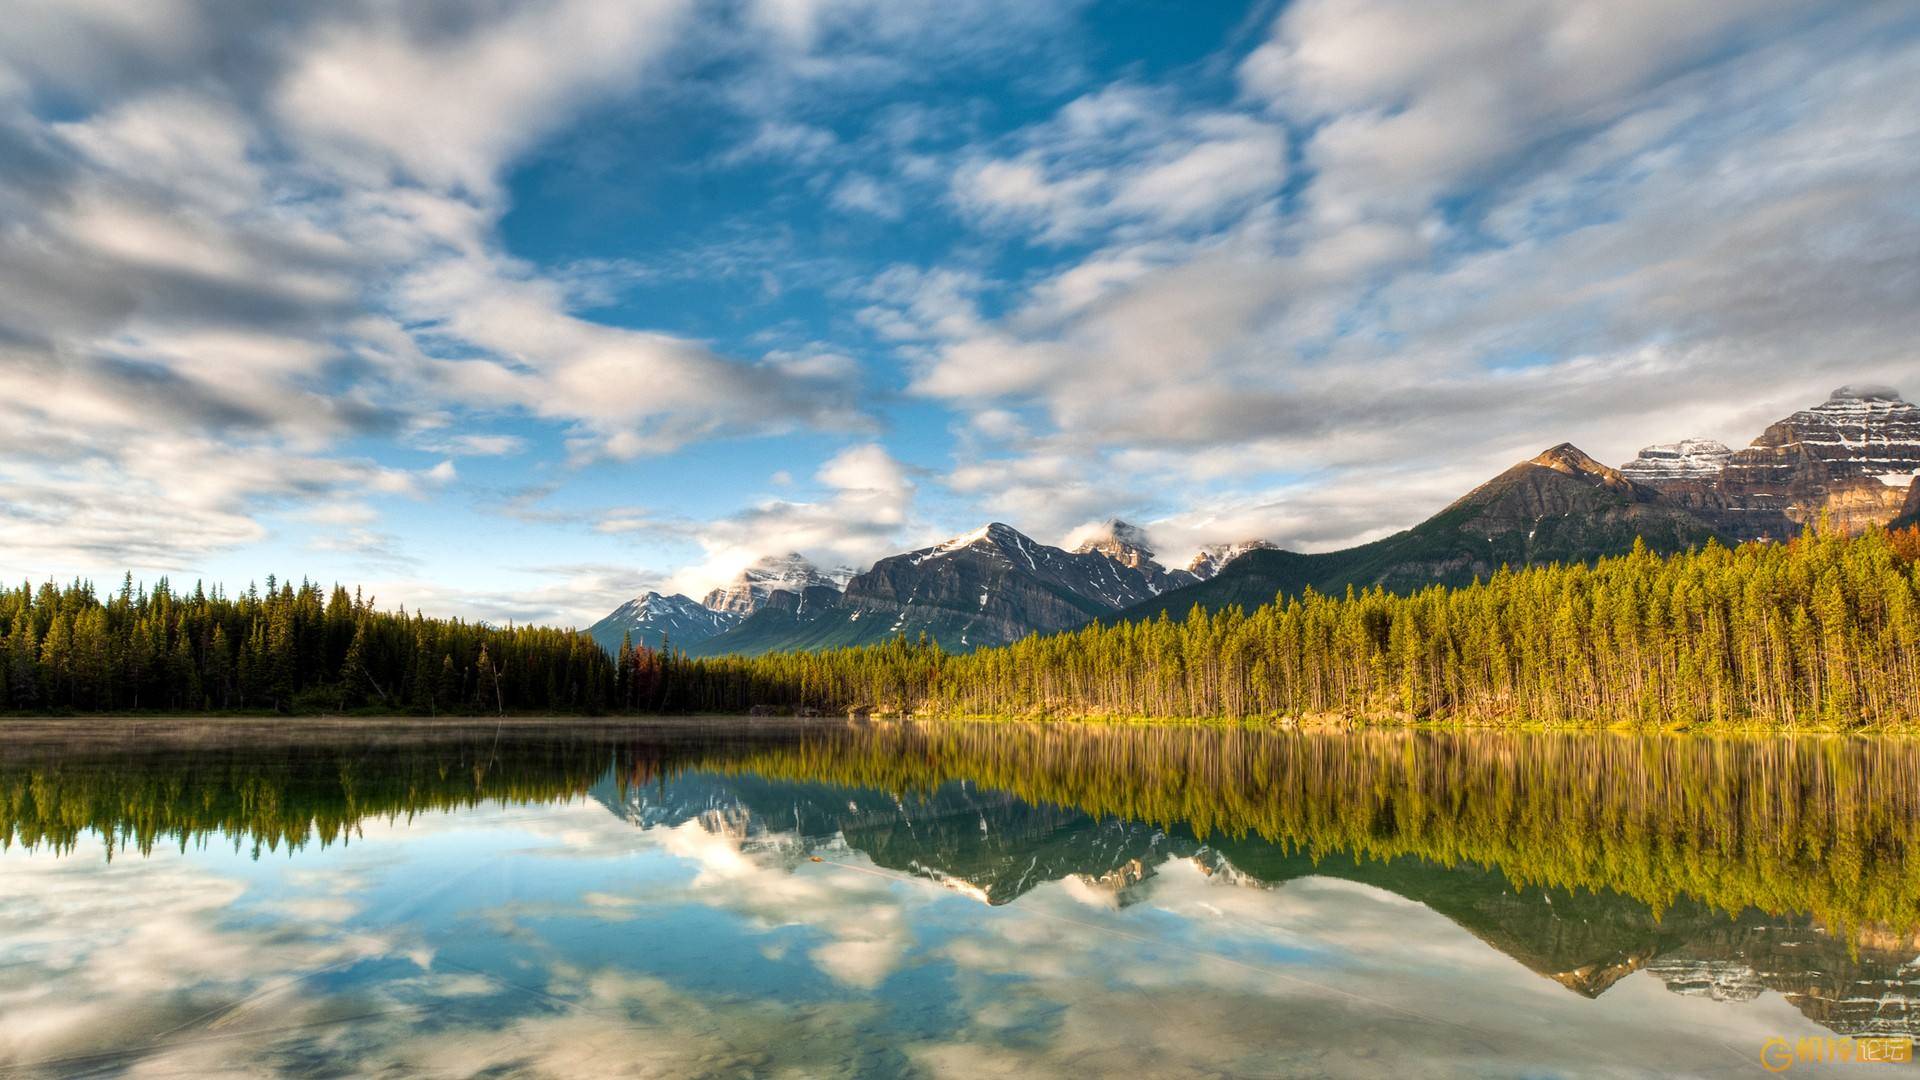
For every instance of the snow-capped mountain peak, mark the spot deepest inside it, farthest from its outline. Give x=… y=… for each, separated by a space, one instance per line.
x=1117 y=540
x=995 y=536
x=1860 y=431
x=652 y=617
x=1213 y=558
x=791 y=572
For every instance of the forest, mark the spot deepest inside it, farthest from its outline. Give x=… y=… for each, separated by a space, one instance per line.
x=1823 y=631
x=283 y=649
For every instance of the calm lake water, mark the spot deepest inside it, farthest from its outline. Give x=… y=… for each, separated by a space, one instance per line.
x=962 y=900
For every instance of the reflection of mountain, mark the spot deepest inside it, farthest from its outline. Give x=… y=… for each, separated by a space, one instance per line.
x=1715 y=865
x=1872 y=991
x=995 y=847
x=986 y=844
x=1588 y=941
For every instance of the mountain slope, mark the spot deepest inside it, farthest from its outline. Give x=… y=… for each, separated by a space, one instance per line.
x=651 y=616
x=785 y=622
x=1561 y=506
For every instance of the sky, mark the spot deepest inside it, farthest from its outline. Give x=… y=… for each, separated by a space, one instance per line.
x=515 y=310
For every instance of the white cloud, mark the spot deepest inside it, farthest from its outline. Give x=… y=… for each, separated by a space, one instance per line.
x=568 y=594
x=1486 y=255
x=1422 y=240
x=478 y=445
x=1419 y=97
x=862 y=516
x=447 y=105
x=629 y=392
x=786 y=142
x=863 y=194
x=252 y=237
x=1125 y=158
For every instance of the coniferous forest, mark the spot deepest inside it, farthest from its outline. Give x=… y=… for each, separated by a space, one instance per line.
x=282 y=649
x=1820 y=632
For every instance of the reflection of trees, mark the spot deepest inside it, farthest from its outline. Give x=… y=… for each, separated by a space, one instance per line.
x=274 y=790
x=1822 y=826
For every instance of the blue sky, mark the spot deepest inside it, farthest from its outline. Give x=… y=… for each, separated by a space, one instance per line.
x=514 y=310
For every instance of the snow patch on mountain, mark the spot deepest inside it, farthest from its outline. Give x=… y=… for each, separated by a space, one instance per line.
x=1686 y=460
x=1866 y=430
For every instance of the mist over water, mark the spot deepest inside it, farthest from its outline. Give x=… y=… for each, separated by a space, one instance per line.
x=729 y=898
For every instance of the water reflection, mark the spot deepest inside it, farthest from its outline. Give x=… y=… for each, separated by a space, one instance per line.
x=881 y=899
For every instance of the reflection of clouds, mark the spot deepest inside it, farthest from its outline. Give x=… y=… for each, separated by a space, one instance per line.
x=1370 y=926
x=865 y=964
x=320 y=909
x=1317 y=976
x=1090 y=893
x=861 y=913
x=1194 y=974
x=627 y=1025
x=335 y=881
x=103 y=959
x=757 y=876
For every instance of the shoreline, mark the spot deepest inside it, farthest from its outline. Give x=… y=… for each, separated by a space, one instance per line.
x=181 y=724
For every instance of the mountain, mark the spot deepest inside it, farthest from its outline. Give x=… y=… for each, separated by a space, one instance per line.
x=791 y=573
x=1853 y=458
x=813 y=618
x=1128 y=545
x=651 y=616
x=1213 y=558
x=988 y=587
x=1562 y=506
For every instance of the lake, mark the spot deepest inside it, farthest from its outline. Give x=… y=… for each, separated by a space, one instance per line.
x=774 y=898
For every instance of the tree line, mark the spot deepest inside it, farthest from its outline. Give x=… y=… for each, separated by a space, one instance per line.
x=286 y=648
x=1822 y=631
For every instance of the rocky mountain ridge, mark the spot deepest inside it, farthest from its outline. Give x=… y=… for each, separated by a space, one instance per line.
x=986 y=587
x=1685 y=461
x=1129 y=546
x=1852 y=459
